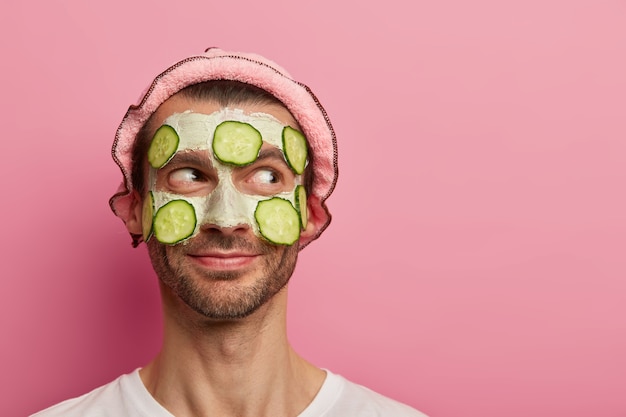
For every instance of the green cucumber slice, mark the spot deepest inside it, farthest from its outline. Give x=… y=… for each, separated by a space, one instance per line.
x=295 y=149
x=163 y=146
x=236 y=143
x=146 y=216
x=278 y=221
x=175 y=221
x=301 y=206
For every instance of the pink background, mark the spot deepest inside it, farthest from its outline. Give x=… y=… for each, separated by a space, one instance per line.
x=476 y=262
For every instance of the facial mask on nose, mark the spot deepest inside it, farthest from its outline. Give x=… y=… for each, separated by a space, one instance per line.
x=173 y=218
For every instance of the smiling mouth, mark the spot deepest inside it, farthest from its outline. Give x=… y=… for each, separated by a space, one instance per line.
x=224 y=261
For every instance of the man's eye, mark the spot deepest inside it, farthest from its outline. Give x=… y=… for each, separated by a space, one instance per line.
x=184 y=175
x=264 y=180
x=266 y=176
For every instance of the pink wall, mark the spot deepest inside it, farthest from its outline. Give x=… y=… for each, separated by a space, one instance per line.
x=476 y=263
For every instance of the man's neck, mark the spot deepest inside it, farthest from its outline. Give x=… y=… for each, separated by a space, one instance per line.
x=237 y=368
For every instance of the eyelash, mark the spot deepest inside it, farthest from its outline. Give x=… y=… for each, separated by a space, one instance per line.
x=277 y=177
x=194 y=174
x=262 y=180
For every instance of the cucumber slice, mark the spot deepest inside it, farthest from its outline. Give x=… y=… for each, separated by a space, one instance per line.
x=301 y=206
x=278 y=221
x=175 y=221
x=295 y=149
x=236 y=143
x=163 y=146
x=146 y=216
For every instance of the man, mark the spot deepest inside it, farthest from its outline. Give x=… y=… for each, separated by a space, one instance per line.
x=227 y=164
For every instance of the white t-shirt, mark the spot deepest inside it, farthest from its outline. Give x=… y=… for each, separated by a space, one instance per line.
x=128 y=397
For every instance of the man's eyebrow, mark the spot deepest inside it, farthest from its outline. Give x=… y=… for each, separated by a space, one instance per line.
x=193 y=158
x=271 y=153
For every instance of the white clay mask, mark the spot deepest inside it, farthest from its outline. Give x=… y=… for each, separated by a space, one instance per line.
x=230 y=142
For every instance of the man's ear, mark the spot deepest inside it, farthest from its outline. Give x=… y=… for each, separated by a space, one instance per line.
x=318 y=219
x=133 y=223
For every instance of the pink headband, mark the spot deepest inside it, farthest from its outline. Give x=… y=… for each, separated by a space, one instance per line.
x=216 y=64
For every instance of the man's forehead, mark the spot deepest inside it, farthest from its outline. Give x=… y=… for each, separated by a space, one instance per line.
x=234 y=135
x=181 y=104
x=202 y=157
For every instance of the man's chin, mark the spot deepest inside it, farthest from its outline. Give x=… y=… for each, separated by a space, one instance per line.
x=226 y=299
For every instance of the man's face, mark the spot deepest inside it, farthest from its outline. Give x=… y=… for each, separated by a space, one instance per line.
x=224 y=271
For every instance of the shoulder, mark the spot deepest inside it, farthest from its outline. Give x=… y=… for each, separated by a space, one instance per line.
x=107 y=400
x=356 y=399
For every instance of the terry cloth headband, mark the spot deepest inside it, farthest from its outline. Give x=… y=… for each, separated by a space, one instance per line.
x=253 y=69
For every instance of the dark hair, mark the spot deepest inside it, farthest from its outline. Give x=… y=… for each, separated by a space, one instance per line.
x=222 y=92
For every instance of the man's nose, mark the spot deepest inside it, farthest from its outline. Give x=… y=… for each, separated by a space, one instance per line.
x=227 y=210
x=227 y=230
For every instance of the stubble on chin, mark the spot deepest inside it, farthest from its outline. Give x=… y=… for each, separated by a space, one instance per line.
x=216 y=294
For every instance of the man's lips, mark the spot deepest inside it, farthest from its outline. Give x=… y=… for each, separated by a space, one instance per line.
x=224 y=260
